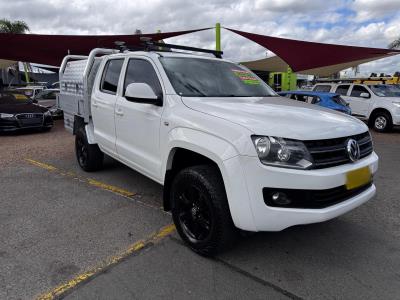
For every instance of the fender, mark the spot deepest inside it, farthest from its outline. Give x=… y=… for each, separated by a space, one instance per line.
x=227 y=159
x=89 y=128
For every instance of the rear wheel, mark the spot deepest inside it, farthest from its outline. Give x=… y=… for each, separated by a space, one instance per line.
x=200 y=210
x=382 y=121
x=90 y=157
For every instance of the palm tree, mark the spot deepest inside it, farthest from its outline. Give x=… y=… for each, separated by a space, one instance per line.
x=7 y=26
x=395 y=44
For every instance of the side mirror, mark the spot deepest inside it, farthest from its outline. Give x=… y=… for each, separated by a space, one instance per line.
x=142 y=93
x=365 y=95
x=35 y=101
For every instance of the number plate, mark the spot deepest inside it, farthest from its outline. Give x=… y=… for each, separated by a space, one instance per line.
x=357 y=178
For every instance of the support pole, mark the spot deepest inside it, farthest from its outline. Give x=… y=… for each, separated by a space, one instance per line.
x=26 y=72
x=218 y=37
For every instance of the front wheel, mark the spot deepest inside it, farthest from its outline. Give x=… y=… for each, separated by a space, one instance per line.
x=382 y=122
x=200 y=210
x=90 y=157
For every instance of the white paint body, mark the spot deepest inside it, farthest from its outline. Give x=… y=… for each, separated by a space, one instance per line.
x=145 y=137
x=364 y=107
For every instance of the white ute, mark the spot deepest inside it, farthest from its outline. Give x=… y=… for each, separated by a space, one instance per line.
x=230 y=153
x=378 y=104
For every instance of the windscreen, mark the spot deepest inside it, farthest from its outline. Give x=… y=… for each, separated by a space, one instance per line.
x=197 y=77
x=339 y=100
x=13 y=98
x=384 y=90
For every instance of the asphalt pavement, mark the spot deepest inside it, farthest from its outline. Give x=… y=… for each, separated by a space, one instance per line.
x=75 y=235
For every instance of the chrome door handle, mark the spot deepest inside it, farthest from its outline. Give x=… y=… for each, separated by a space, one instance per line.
x=119 y=112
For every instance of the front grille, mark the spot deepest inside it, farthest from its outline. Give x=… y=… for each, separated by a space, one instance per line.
x=28 y=116
x=313 y=198
x=30 y=119
x=332 y=152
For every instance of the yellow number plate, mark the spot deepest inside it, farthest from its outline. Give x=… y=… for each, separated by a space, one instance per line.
x=357 y=178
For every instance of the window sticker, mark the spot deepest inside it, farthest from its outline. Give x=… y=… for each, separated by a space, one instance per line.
x=246 y=77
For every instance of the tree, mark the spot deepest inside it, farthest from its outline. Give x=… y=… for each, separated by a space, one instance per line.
x=7 y=26
x=395 y=44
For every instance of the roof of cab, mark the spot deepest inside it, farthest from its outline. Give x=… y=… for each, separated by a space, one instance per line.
x=168 y=54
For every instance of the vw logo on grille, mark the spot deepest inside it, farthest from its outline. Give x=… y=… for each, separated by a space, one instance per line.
x=353 y=150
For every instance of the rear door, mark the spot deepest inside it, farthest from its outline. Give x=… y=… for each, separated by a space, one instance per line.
x=138 y=124
x=103 y=105
x=359 y=105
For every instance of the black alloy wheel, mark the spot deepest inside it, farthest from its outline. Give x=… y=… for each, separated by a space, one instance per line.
x=195 y=214
x=200 y=210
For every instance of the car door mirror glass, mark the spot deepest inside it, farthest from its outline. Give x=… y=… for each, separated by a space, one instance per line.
x=141 y=92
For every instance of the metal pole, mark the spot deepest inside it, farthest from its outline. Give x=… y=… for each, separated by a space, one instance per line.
x=26 y=72
x=218 y=37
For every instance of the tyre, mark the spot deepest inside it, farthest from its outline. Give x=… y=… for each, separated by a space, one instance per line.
x=46 y=129
x=90 y=157
x=200 y=210
x=382 y=122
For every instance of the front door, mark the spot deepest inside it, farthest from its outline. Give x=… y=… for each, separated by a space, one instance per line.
x=103 y=106
x=359 y=105
x=138 y=124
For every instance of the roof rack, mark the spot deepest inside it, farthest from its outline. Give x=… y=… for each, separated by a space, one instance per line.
x=148 y=45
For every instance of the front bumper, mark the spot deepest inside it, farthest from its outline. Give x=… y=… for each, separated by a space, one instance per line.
x=10 y=125
x=266 y=218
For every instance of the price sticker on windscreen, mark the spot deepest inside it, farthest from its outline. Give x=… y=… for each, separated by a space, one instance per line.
x=246 y=76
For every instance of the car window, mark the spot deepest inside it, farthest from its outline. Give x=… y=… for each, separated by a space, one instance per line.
x=302 y=98
x=46 y=95
x=322 y=88
x=27 y=92
x=112 y=70
x=339 y=100
x=314 y=100
x=358 y=90
x=385 y=90
x=199 y=77
x=142 y=71
x=342 y=89
x=13 y=97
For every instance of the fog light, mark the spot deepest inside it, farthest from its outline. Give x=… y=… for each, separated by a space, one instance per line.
x=280 y=198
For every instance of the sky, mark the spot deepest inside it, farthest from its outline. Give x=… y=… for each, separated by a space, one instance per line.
x=370 y=23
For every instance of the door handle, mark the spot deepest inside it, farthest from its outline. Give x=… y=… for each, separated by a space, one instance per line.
x=94 y=104
x=119 y=112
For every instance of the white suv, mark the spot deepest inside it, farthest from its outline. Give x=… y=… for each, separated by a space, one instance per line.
x=377 y=104
x=228 y=150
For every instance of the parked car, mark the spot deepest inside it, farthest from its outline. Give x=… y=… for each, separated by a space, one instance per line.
x=379 y=105
x=328 y=100
x=18 y=112
x=48 y=98
x=229 y=151
x=31 y=91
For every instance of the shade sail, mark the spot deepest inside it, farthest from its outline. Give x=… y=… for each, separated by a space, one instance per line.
x=51 y=49
x=276 y=64
x=302 y=55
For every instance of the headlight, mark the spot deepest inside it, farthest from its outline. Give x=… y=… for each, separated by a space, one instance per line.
x=396 y=104
x=47 y=113
x=6 y=116
x=279 y=152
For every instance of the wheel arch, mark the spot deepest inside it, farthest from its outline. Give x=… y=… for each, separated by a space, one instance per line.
x=378 y=110
x=182 y=153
